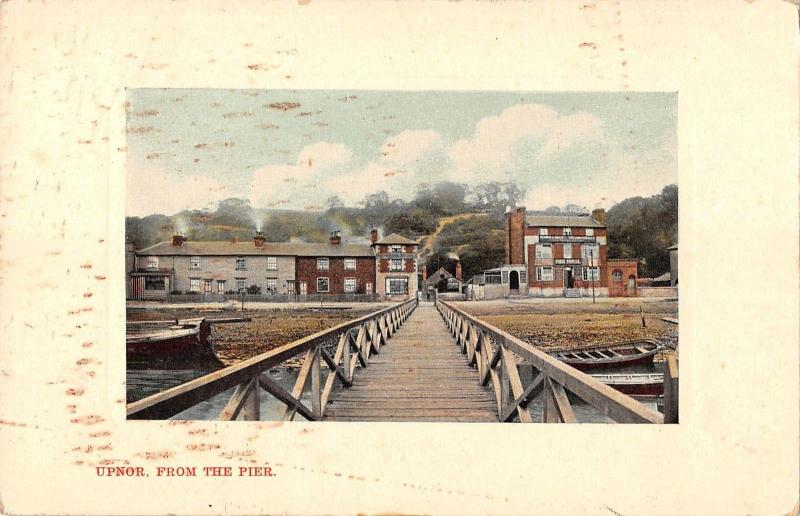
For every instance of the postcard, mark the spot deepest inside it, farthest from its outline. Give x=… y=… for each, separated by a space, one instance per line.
x=351 y=257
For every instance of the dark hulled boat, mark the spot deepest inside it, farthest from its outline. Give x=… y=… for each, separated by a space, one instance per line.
x=607 y=356
x=187 y=339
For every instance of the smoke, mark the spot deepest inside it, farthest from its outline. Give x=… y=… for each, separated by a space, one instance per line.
x=181 y=225
x=259 y=218
x=453 y=256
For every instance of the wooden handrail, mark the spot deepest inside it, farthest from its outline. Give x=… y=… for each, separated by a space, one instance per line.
x=476 y=339
x=374 y=329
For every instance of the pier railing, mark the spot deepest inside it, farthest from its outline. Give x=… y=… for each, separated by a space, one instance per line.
x=356 y=341
x=491 y=350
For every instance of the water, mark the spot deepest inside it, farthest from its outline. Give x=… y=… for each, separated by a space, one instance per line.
x=145 y=382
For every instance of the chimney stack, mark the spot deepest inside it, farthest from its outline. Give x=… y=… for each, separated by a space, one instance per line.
x=599 y=215
x=259 y=239
x=178 y=239
x=424 y=272
x=373 y=235
x=336 y=237
x=458 y=271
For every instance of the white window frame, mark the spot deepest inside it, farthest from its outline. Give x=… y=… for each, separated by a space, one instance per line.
x=327 y=284
x=303 y=288
x=350 y=285
x=543 y=231
x=272 y=263
x=585 y=251
x=589 y=231
x=567 y=251
x=152 y=262
x=541 y=276
x=274 y=282
x=323 y=264
x=403 y=281
x=392 y=267
x=541 y=255
x=194 y=285
x=368 y=287
x=567 y=231
x=208 y=286
x=590 y=273
x=396 y=249
x=243 y=287
x=194 y=262
x=349 y=264
x=220 y=286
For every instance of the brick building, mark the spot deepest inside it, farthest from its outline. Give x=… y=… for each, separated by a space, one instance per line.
x=562 y=255
x=396 y=258
x=277 y=268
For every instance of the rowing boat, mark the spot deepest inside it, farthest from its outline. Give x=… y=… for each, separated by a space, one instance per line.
x=604 y=356
x=638 y=384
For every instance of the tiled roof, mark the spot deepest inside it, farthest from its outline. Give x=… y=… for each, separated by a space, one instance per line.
x=227 y=248
x=395 y=238
x=575 y=221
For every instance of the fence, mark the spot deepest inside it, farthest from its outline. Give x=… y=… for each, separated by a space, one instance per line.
x=357 y=340
x=490 y=350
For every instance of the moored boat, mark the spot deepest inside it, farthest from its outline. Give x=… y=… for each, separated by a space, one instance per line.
x=606 y=356
x=177 y=340
x=637 y=384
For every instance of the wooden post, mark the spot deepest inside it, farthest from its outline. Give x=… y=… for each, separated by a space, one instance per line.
x=316 y=393
x=549 y=412
x=671 y=390
x=251 y=409
x=641 y=312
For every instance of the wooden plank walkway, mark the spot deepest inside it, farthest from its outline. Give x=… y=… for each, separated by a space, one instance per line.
x=419 y=375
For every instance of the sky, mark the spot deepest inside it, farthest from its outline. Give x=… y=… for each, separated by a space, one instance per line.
x=294 y=149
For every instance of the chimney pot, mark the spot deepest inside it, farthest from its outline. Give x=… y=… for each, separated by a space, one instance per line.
x=458 y=271
x=373 y=235
x=259 y=239
x=599 y=215
x=178 y=239
x=336 y=237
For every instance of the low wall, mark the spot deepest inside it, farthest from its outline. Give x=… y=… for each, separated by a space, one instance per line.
x=450 y=296
x=270 y=298
x=658 y=291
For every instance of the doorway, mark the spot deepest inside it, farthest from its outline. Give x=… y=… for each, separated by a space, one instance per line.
x=513 y=280
x=631 y=287
x=569 y=280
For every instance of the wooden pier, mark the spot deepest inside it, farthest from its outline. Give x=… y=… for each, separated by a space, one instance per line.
x=408 y=363
x=419 y=376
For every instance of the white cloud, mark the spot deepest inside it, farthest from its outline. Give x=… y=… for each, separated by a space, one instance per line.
x=299 y=185
x=152 y=191
x=508 y=145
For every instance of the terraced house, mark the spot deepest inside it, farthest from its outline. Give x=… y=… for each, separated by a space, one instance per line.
x=282 y=270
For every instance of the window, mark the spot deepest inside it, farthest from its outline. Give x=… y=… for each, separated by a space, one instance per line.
x=272 y=263
x=303 y=288
x=349 y=284
x=194 y=262
x=272 y=284
x=505 y=277
x=240 y=286
x=544 y=251
x=567 y=231
x=567 y=251
x=590 y=251
x=208 y=286
x=617 y=275
x=152 y=262
x=544 y=274
x=194 y=284
x=323 y=285
x=349 y=264
x=591 y=273
x=523 y=277
x=396 y=265
x=322 y=264
x=396 y=285
x=220 y=286
x=492 y=279
x=241 y=264
x=543 y=231
x=290 y=288
x=154 y=283
x=396 y=249
x=368 y=287
x=589 y=232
